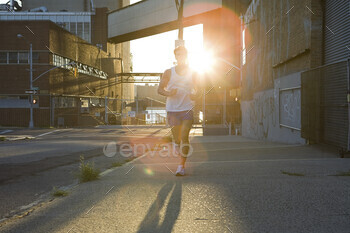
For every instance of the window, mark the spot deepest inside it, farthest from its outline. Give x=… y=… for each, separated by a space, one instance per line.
x=3 y=57
x=73 y=28
x=80 y=30
x=66 y=26
x=23 y=57
x=61 y=24
x=36 y=57
x=86 y=35
x=13 y=57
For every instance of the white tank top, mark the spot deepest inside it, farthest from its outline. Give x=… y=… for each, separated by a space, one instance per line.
x=184 y=85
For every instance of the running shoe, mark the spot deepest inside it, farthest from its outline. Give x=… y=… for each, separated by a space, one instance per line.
x=180 y=171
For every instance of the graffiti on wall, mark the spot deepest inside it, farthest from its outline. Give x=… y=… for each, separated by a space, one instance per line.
x=290 y=108
x=262 y=116
x=270 y=112
x=251 y=10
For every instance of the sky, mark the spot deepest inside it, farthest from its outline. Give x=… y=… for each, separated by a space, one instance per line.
x=155 y=53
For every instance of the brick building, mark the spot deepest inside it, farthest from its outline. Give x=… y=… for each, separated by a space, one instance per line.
x=62 y=32
x=62 y=91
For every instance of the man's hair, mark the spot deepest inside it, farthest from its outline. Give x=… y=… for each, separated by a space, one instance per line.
x=179 y=48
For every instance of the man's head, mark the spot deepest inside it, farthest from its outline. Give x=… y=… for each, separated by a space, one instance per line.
x=180 y=54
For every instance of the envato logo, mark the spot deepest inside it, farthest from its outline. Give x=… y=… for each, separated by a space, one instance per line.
x=164 y=150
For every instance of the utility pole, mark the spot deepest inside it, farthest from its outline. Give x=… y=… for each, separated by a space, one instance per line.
x=31 y=81
x=180 y=20
x=31 y=123
x=12 y=5
x=106 y=110
x=241 y=50
x=180 y=11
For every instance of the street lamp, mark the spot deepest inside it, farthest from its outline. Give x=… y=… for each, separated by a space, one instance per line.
x=20 y=36
x=31 y=81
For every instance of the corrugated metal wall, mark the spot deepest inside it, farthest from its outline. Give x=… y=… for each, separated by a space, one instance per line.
x=325 y=116
x=336 y=30
x=334 y=106
x=335 y=77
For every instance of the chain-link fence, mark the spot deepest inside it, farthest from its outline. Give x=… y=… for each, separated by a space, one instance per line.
x=70 y=110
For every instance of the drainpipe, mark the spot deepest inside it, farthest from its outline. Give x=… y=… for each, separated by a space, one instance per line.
x=348 y=104
x=180 y=18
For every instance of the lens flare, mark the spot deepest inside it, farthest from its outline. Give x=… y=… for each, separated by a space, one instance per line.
x=201 y=61
x=148 y=171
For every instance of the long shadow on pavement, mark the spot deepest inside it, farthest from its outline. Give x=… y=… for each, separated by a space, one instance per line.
x=251 y=194
x=151 y=222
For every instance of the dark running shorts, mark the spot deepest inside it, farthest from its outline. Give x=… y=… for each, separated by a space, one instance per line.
x=176 y=118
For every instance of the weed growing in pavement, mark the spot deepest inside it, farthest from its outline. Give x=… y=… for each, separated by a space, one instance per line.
x=129 y=159
x=2 y=138
x=291 y=173
x=343 y=173
x=59 y=192
x=167 y=139
x=117 y=164
x=87 y=171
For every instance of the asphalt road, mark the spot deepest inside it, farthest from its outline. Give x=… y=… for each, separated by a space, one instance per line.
x=45 y=143
x=232 y=184
x=30 y=168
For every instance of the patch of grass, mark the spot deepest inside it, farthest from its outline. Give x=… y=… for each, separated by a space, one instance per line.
x=117 y=164
x=2 y=138
x=291 y=173
x=167 y=138
x=59 y=192
x=343 y=173
x=129 y=159
x=87 y=171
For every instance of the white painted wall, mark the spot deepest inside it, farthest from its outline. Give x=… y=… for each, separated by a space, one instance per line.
x=262 y=116
x=151 y=13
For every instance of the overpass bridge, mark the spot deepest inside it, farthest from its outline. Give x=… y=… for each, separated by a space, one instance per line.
x=220 y=19
x=149 y=17
x=221 y=34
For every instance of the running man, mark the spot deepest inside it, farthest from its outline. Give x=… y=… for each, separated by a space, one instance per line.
x=178 y=85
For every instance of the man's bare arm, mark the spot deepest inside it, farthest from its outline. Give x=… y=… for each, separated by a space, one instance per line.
x=163 y=83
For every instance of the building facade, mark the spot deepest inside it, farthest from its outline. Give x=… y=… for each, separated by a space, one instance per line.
x=282 y=41
x=67 y=73
x=74 y=66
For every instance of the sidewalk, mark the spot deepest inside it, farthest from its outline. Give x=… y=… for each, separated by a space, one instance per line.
x=233 y=184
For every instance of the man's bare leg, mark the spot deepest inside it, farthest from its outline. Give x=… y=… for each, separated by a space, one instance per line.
x=176 y=131
x=185 y=131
